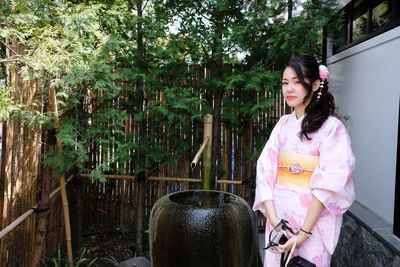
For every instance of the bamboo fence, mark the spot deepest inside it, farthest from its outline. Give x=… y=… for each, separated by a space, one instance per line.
x=19 y=176
x=112 y=203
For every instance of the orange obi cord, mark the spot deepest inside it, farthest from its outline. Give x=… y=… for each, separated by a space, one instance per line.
x=295 y=170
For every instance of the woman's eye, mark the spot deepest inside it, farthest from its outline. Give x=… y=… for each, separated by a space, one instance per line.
x=284 y=83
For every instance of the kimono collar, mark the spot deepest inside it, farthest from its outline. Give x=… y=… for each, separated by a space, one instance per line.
x=293 y=117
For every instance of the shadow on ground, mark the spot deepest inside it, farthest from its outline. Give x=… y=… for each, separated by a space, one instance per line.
x=108 y=247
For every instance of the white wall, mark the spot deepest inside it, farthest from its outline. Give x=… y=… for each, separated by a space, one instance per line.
x=365 y=80
x=342 y=3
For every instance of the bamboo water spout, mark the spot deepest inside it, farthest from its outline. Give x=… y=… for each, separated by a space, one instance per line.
x=193 y=164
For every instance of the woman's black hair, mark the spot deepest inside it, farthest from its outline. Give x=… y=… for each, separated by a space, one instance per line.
x=318 y=110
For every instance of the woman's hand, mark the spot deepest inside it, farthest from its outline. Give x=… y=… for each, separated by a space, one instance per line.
x=288 y=245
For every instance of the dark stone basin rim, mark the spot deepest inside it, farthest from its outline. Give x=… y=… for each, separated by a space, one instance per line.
x=202 y=198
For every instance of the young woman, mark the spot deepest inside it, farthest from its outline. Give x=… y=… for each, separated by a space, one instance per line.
x=304 y=173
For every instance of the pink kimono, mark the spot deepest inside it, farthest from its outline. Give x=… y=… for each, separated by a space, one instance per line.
x=329 y=160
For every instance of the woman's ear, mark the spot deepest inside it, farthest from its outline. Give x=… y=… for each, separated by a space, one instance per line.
x=316 y=85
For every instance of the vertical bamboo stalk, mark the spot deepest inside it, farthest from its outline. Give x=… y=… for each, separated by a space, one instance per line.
x=2 y=171
x=236 y=167
x=7 y=160
x=63 y=191
x=228 y=153
x=80 y=214
x=208 y=122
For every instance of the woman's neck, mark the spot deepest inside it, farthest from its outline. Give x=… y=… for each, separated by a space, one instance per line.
x=299 y=112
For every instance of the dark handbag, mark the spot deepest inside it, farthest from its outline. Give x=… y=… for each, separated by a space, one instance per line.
x=298 y=261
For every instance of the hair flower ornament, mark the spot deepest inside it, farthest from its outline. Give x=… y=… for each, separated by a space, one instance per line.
x=323 y=74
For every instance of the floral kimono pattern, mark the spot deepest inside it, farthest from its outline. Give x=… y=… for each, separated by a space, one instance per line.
x=330 y=182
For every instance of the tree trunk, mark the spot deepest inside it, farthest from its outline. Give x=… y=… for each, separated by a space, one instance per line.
x=139 y=215
x=218 y=72
x=43 y=210
x=249 y=179
x=141 y=177
x=290 y=9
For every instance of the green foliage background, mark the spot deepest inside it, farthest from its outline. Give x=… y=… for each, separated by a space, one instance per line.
x=109 y=63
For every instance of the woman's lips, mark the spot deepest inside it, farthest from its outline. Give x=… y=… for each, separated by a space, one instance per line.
x=289 y=98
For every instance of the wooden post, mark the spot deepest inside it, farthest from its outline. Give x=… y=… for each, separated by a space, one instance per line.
x=63 y=191
x=208 y=122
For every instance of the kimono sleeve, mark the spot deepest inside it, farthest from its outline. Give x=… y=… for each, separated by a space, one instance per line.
x=267 y=165
x=332 y=181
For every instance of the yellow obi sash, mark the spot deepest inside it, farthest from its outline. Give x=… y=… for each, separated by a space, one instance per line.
x=295 y=170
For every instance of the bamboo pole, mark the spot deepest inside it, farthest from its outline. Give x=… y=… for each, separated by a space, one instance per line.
x=64 y=198
x=207 y=155
x=16 y=222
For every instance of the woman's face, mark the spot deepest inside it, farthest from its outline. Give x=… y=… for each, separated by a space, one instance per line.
x=293 y=91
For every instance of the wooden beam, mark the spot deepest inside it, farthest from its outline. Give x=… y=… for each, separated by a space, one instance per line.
x=110 y=176
x=193 y=180
x=174 y=179
x=228 y=182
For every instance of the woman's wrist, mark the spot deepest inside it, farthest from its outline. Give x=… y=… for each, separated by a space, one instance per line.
x=274 y=222
x=301 y=238
x=305 y=233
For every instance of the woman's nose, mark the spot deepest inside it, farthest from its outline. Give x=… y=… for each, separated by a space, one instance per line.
x=290 y=87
